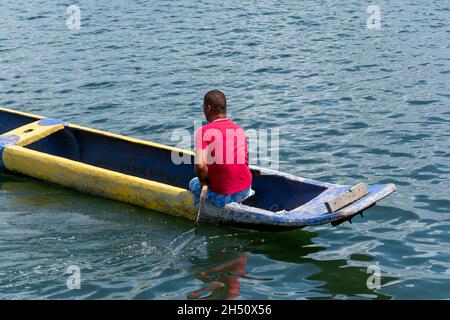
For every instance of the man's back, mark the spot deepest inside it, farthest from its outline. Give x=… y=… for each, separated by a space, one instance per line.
x=226 y=146
x=221 y=157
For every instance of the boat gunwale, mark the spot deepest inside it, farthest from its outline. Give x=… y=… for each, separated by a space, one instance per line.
x=20 y=113
x=105 y=133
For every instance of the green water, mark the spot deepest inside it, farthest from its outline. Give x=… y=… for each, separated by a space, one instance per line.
x=351 y=105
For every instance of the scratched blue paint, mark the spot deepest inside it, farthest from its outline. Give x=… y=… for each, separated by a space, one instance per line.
x=50 y=122
x=8 y=140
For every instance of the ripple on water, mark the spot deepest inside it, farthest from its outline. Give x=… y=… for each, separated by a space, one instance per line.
x=421 y=102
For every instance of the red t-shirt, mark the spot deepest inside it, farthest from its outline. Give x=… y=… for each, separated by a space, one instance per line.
x=226 y=145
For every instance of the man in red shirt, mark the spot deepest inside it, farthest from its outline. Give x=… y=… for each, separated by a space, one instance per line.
x=221 y=155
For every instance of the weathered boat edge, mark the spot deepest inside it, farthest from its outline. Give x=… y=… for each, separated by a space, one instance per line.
x=244 y=216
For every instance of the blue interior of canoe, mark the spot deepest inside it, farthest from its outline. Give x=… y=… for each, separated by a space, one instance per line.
x=154 y=163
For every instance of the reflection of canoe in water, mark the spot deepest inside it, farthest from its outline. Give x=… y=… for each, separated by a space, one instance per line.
x=143 y=173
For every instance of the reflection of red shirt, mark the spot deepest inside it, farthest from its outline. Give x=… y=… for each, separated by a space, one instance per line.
x=226 y=143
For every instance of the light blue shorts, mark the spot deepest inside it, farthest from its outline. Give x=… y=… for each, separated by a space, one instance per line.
x=218 y=199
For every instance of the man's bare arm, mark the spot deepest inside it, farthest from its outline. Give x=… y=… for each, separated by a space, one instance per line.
x=201 y=169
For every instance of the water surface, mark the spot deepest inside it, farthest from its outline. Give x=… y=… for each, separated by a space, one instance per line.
x=351 y=104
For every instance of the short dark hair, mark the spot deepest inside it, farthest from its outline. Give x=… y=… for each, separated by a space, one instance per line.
x=216 y=99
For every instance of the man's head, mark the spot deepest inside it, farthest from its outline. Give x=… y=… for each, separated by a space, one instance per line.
x=214 y=104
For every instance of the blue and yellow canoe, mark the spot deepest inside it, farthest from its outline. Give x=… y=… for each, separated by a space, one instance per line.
x=142 y=173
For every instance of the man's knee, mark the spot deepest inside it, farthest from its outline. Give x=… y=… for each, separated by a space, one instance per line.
x=194 y=185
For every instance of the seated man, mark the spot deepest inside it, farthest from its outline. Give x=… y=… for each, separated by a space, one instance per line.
x=221 y=156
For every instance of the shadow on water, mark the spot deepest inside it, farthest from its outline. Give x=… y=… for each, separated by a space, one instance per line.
x=26 y=191
x=229 y=252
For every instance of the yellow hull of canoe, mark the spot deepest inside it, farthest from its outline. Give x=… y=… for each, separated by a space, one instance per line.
x=90 y=179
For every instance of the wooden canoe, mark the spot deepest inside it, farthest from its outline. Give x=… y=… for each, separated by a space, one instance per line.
x=142 y=173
